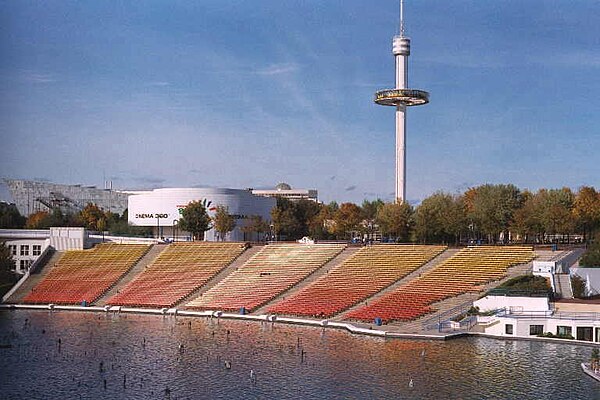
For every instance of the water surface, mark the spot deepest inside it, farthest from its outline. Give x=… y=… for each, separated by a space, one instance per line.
x=72 y=355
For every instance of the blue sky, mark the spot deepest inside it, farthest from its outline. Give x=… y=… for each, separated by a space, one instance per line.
x=251 y=93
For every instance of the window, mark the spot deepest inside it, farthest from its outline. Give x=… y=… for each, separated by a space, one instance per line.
x=37 y=249
x=25 y=250
x=508 y=329
x=13 y=249
x=25 y=264
x=536 y=329
x=585 y=333
x=564 y=330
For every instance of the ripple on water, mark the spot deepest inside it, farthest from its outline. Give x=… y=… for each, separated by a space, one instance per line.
x=143 y=357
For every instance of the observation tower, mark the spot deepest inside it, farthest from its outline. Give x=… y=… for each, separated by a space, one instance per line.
x=401 y=97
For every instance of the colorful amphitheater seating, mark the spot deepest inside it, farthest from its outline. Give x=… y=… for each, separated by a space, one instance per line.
x=274 y=269
x=367 y=272
x=177 y=272
x=464 y=272
x=85 y=275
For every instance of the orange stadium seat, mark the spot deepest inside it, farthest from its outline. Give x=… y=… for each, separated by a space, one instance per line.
x=464 y=272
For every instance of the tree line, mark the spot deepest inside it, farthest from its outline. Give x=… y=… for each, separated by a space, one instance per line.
x=488 y=213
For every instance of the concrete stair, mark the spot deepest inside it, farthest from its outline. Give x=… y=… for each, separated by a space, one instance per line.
x=333 y=263
x=34 y=279
x=237 y=263
x=563 y=286
x=146 y=260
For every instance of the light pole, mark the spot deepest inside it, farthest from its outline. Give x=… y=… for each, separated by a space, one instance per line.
x=157 y=226
x=272 y=232
x=175 y=222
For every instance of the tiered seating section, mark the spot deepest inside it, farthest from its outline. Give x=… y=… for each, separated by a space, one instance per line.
x=177 y=272
x=85 y=275
x=464 y=272
x=274 y=269
x=367 y=272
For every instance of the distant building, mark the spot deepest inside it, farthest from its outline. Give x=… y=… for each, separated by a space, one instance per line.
x=31 y=197
x=284 y=190
x=161 y=209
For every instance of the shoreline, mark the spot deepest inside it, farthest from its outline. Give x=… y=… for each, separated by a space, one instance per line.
x=174 y=312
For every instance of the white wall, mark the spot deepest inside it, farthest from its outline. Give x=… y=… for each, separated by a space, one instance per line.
x=489 y=303
x=64 y=238
x=162 y=207
x=521 y=326
x=26 y=247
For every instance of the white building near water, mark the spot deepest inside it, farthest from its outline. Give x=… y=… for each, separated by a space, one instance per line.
x=526 y=317
x=161 y=209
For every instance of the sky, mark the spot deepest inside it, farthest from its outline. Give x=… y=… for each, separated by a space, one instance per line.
x=224 y=93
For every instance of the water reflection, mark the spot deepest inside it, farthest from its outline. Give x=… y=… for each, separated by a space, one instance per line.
x=76 y=355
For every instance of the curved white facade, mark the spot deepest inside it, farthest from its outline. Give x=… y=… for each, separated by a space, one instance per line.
x=161 y=208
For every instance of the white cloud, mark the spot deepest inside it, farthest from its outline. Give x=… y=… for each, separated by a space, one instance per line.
x=278 y=69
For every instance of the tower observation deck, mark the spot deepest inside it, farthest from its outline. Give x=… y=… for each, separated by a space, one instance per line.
x=401 y=97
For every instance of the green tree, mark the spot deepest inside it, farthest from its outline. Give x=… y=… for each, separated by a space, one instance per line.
x=7 y=267
x=10 y=217
x=556 y=211
x=256 y=224
x=396 y=220
x=491 y=208
x=223 y=221
x=440 y=218
x=369 y=211
x=195 y=219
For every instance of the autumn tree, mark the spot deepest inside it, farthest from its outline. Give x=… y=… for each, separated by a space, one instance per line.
x=90 y=217
x=195 y=219
x=348 y=219
x=38 y=220
x=223 y=221
x=395 y=220
x=586 y=211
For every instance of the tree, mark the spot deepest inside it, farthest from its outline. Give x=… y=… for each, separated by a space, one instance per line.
x=38 y=220
x=586 y=211
x=7 y=263
x=257 y=225
x=223 y=221
x=440 y=218
x=348 y=219
x=490 y=208
x=7 y=267
x=195 y=219
x=556 y=211
x=369 y=211
x=91 y=215
x=395 y=219
x=285 y=221
x=10 y=217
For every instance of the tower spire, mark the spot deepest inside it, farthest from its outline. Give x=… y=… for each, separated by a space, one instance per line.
x=402 y=18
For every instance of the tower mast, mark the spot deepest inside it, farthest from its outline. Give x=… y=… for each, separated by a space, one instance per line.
x=401 y=97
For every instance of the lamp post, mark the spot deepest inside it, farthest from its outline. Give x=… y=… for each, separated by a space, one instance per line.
x=175 y=222
x=272 y=234
x=157 y=226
